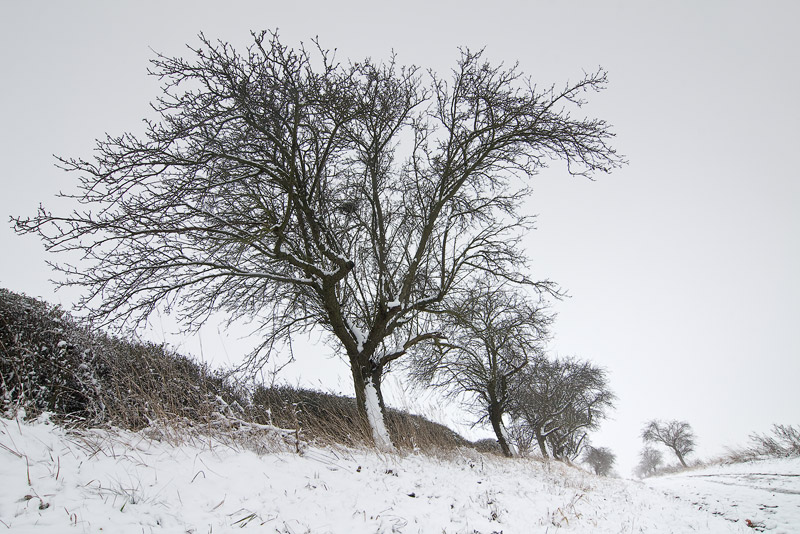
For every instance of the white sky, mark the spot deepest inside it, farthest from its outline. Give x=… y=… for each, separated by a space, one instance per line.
x=683 y=267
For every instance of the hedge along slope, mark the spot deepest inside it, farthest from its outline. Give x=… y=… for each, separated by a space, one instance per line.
x=49 y=362
x=46 y=363
x=52 y=363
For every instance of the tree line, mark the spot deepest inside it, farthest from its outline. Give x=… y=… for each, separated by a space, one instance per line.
x=493 y=355
x=377 y=203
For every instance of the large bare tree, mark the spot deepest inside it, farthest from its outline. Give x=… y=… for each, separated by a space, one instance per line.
x=283 y=186
x=490 y=334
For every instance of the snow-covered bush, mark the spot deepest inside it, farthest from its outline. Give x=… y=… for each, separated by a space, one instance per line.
x=782 y=442
x=47 y=364
x=51 y=363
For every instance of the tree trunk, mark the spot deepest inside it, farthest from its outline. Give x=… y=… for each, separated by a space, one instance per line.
x=496 y=418
x=369 y=400
x=542 y=446
x=680 y=457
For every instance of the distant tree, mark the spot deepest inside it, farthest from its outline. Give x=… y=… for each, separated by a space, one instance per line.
x=601 y=459
x=281 y=186
x=489 y=335
x=560 y=401
x=649 y=461
x=675 y=435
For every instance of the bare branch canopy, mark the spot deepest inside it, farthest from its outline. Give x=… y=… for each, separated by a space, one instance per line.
x=283 y=186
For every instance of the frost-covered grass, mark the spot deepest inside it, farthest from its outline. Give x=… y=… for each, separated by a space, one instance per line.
x=782 y=442
x=55 y=480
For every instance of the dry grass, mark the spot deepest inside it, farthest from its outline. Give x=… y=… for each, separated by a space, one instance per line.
x=782 y=442
x=328 y=419
x=51 y=363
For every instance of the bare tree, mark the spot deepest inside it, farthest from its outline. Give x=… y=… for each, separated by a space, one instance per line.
x=675 y=435
x=490 y=334
x=560 y=401
x=281 y=186
x=649 y=461
x=601 y=459
x=567 y=441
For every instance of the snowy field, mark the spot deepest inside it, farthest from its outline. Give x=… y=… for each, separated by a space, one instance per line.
x=122 y=482
x=763 y=494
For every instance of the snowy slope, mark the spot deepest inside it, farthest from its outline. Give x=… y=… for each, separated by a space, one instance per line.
x=122 y=482
x=764 y=494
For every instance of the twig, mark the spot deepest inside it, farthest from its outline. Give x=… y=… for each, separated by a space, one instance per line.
x=12 y=451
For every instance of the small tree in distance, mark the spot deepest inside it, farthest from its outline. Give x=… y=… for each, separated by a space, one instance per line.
x=601 y=459
x=490 y=335
x=271 y=188
x=675 y=435
x=649 y=461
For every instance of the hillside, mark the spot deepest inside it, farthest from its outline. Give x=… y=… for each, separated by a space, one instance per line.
x=129 y=482
x=762 y=493
x=51 y=363
x=102 y=434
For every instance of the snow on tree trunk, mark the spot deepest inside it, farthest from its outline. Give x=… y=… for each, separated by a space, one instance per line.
x=512 y=449
x=380 y=435
x=542 y=445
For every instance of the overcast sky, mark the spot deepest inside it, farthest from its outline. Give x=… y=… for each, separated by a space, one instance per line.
x=683 y=268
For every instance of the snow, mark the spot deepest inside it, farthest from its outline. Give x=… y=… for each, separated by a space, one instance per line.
x=54 y=480
x=358 y=334
x=764 y=494
x=508 y=440
x=380 y=435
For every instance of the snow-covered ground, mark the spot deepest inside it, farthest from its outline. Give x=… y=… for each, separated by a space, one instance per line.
x=122 y=482
x=763 y=494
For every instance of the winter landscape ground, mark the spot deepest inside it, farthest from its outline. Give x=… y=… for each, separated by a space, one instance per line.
x=762 y=494
x=55 y=480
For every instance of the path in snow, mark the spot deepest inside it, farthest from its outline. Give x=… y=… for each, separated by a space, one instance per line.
x=764 y=494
